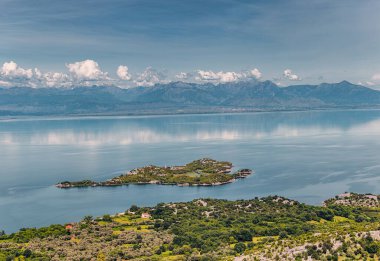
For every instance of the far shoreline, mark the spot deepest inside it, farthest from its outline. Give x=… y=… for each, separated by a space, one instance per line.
x=57 y=117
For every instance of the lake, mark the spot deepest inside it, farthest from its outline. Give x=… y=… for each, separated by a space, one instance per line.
x=307 y=156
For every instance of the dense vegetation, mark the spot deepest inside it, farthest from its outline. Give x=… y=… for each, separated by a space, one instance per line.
x=202 y=172
x=271 y=228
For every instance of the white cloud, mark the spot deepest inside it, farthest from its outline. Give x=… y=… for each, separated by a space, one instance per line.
x=230 y=76
x=56 y=79
x=122 y=73
x=374 y=82
x=288 y=74
x=37 y=72
x=149 y=77
x=83 y=73
x=224 y=77
x=207 y=76
x=220 y=77
x=279 y=84
x=89 y=73
x=5 y=84
x=13 y=75
x=12 y=70
x=183 y=76
x=87 y=70
x=255 y=73
x=376 y=77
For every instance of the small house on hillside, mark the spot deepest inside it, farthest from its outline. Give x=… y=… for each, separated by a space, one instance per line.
x=145 y=215
x=69 y=227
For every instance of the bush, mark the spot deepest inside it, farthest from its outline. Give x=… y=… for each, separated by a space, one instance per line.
x=250 y=245
x=240 y=248
x=360 y=219
x=162 y=248
x=283 y=235
x=372 y=248
x=325 y=214
x=87 y=219
x=107 y=218
x=134 y=208
x=243 y=235
x=27 y=253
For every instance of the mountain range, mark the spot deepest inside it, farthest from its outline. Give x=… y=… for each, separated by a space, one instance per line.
x=180 y=97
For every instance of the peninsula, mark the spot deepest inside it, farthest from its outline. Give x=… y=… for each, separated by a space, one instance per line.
x=202 y=172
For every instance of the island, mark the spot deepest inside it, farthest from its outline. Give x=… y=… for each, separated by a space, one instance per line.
x=202 y=172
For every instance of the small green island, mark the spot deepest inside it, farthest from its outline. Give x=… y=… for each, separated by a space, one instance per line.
x=202 y=172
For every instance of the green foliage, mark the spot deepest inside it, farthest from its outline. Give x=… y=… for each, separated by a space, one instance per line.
x=87 y=219
x=370 y=245
x=326 y=214
x=26 y=234
x=27 y=253
x=106 y=218
x=209 y=224
x=134 y=208
x=203 y=171
x=211 y=229
x=283 y=234
x=239 y=248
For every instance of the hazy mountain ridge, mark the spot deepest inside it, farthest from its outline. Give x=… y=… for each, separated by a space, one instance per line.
x=179 y=97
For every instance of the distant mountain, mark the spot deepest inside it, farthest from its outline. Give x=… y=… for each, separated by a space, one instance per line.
x=180 y=97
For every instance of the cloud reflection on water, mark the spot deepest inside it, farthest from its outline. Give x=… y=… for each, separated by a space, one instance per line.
x=144 y=134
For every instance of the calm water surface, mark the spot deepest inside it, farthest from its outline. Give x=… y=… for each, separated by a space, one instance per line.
x=308 y=156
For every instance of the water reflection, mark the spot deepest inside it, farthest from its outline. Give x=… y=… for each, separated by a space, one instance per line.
x=125 y=131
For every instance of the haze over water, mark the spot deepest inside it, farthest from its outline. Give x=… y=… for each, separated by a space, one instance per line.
x=307 y=156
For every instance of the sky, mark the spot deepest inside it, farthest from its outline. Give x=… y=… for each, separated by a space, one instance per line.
x=127 y=43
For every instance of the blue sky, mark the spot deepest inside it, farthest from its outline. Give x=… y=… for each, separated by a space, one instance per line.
x=289 y=42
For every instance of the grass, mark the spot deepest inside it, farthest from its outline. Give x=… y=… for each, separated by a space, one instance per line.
x=122 y=220
x=172 y=258
x=75 y=240
x=259 y=239
x=191 y=174
x=144 y=228
x=128 y=245
x=128 y=223
x=339 y=219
